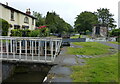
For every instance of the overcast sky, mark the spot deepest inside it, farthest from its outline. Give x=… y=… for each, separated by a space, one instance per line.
x=67 y=9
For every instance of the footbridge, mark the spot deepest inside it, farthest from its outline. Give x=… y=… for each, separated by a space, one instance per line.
x=29 y=49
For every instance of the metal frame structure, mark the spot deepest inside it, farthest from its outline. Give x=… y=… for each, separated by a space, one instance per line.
x=31 y=49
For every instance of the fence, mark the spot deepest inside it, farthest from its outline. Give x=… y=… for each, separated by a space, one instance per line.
x=29 y=49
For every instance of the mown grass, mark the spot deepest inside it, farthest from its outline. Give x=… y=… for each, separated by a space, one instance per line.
x=89 y=48
x=114 y=42
x=102 y=69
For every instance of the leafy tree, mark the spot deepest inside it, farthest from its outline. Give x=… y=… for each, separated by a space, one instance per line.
x=115 y=32
x=40 y=20
x=105 y=17
x=57 y=24
x=84 y=21
x=4 y=27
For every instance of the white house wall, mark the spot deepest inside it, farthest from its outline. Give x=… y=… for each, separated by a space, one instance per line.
x=18 y=18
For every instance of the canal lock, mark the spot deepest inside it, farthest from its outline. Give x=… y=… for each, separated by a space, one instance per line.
x=24 y=73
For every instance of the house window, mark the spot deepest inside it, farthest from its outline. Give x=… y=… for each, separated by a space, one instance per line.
x=12 y=15
x=16 y=26
x=25 y=27
x=32 y=21
x=26 y=20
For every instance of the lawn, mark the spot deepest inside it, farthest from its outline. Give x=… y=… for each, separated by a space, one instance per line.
x=89 y=48
x=101 y=69
x=98 y=69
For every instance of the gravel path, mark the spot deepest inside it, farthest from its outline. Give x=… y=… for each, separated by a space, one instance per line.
x=111 y=45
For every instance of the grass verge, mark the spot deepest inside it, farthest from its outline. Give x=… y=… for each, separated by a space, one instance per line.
x=102 y=69
x=89 y=48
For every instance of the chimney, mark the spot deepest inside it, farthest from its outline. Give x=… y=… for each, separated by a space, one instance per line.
x=7 y=3
x=28 y=11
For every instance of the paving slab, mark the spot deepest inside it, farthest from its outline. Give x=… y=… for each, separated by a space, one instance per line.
x=111 y=45
x=69 y=61
x=58 y=80
x=60 y=70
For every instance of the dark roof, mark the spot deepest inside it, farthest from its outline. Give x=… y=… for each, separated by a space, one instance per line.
x=17 y=10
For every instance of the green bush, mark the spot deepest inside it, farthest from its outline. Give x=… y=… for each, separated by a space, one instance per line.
x=40 y=32
x=115 y=32
x=20 y=33
x=16 y=32
x=4 y=26
x=30 y=33
x=25 y=33
x=118 y=39
x=34 y=33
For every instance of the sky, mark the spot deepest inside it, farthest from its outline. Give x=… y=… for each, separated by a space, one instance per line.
x=66 y=9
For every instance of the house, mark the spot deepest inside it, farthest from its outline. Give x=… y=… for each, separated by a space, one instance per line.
x=17 y=19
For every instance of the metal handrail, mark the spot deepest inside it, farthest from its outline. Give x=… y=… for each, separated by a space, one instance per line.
x=33 y=49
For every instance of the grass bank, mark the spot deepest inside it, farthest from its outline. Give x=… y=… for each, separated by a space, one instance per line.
x=102 y=69
x=89 y=48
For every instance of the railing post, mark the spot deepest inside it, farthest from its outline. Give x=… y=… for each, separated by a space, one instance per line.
x=32 y=51
x=26 y=49
x=1 y=49
x=11 y=45
x=35 y=46
x=39 y=43
x=30 y=46
x=45 y=50
x=52 y=50
x=16 y=45
x=7 y=48
x=55 y=49
x=14 y=48
x=20 y=50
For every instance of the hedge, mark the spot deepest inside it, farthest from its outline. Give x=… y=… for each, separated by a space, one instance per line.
x=20 y=33
x=4 y=26
x=30 y=33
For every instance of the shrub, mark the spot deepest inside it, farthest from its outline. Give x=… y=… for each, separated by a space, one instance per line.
x=20 y=33
x=34 y=33
x=118 y=39
x=25 y=33
x=40 y=32
x=115 y=32
x=16 y=32
x=4 y=25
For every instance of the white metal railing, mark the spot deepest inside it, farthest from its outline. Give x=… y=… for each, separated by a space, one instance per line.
x=32 y=49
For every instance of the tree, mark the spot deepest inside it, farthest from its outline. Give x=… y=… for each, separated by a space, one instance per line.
x=40 y=20
x=105 y=17
x=115 y=32
x=57 y=24
x=85 y=21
